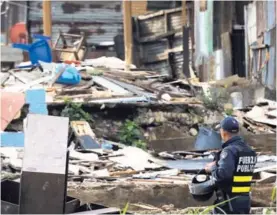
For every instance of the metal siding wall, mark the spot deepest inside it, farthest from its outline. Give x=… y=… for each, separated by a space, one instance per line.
x=100 y=21
x=271 y=13
x=204 y=56
x=271 y=78
x=251 y=24
x=15 y=14
x=265 y=18
x=219 y=72
x=261 y=17
x=203 y=31
x=247 y=75
x=210 y=26
x=196 y=33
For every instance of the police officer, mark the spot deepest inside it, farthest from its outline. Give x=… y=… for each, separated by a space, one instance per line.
x=232 y=173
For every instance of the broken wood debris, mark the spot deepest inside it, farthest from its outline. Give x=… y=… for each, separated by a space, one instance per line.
x=108 y=83
x=261 y=118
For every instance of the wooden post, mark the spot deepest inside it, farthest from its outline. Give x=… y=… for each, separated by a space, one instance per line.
x=184 y=13
x=47 y=18
x=128 y=38
x=186 y=71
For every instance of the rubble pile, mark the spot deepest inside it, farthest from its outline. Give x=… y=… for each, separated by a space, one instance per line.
x=261 y=118
x=95 y=81
x=153 y=143
x=103 y=160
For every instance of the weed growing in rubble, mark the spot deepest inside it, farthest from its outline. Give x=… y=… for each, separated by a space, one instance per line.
x=229 y=112
x=214 y=99
x=75 y=112
x=124 y=211
x=130 y=135
x=272 y=203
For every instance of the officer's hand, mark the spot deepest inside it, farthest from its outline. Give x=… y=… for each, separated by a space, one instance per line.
x=208 y=167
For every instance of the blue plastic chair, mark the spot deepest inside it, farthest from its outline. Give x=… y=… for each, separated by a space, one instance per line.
x=38 y=50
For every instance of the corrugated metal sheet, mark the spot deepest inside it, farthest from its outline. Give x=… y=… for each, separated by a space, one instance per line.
x=150 y=27
x=268 y=73
x=175 y=20
x=260 y=21
x=177 y=63
x=151 y=50
x=270 y=78
x=162 y=66
x=178 y=41
x=155 y=53
x=16 y=13
x=155 y=23
x=100 y=21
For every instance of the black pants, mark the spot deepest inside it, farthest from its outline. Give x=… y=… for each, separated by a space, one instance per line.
x=239 y=205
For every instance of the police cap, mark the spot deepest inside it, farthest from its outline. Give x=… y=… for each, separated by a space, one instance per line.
x=230 y=124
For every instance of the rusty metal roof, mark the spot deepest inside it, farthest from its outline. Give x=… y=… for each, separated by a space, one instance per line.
x=101 y=21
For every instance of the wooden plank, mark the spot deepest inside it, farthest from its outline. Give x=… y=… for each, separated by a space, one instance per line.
x=43 y=179
x=47 y=18
x=184 y=12
x=262 y=142
x=128 y=40
x=227 y=53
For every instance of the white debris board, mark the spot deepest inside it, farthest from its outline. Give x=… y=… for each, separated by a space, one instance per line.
x=45 y=142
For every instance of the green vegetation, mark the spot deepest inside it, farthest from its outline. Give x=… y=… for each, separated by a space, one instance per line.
x=75 y=112
x=214 y=98
x=124 y=211
x=130 y=135
x=229 y=112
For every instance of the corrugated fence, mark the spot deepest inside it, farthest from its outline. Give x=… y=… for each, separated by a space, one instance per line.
x=101 y=21
x=159 y=39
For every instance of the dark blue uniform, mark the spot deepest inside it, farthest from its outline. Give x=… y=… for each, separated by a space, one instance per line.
x=233 y=174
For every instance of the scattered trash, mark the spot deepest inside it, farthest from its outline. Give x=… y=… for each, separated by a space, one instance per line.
x=178 y=149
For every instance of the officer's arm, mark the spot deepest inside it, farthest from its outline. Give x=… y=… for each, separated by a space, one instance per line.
x=223 y=172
